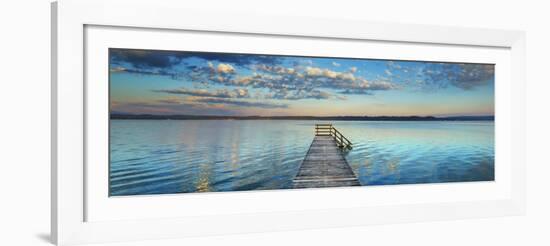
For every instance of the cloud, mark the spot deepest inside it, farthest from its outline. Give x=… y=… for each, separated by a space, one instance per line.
x=191 y=106
x=171 y=100
x=241 y=103
x=327 y=73
x=313 y=71
x=394 y=65
x=171 y=106
x=144 y=58
x=280 y=82
x=274 y=69
x=436 y=75
x=293 y=83
x=161 y=59
x=225 y=68
x=464 y=76
x=220 y=93
x=146 y=72
x=269 y=72
x=367 y=87
x=306 y=62
x=210 y=100
x=117 y=69
x=284 y=94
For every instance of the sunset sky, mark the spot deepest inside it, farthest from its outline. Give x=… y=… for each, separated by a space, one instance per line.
x=194 y=83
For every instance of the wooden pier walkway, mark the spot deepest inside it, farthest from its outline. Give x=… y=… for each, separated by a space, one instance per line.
x=324 y=164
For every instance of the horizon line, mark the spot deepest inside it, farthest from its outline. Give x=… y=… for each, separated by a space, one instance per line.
x=220 y=115
x=183 y=116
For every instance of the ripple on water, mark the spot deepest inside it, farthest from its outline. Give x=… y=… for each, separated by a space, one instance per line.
x=158 y=157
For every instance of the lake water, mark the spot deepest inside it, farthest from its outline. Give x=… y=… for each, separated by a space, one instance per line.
x=175 y=156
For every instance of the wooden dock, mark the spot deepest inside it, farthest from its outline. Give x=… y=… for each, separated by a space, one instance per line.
x=324 y=164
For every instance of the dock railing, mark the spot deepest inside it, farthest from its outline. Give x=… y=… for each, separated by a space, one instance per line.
x=329 y=130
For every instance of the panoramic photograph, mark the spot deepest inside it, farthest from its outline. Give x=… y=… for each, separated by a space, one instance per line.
x=190 y=122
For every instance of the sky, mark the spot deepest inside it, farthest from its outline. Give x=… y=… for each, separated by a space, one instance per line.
x=201 y=83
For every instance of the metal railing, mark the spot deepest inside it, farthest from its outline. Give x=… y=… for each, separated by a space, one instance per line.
x=329 y=130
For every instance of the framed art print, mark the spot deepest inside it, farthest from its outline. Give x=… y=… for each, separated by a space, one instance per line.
x=175 y=126
x=186 y=122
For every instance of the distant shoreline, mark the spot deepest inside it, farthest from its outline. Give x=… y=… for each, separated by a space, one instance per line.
x=324 y=118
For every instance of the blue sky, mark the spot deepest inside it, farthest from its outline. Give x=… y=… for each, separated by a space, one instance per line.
x=195 y=83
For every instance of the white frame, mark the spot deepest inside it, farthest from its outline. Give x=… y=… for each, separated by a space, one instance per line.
x=100 y=207
x=68 y=116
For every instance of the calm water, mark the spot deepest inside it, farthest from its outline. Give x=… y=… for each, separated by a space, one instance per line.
x=173 y=156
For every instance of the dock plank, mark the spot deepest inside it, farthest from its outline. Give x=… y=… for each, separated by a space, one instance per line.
x=324 y=166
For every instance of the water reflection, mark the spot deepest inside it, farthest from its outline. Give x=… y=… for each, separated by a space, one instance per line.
x=392 y=166
x=169 y=156
x=203 y=184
